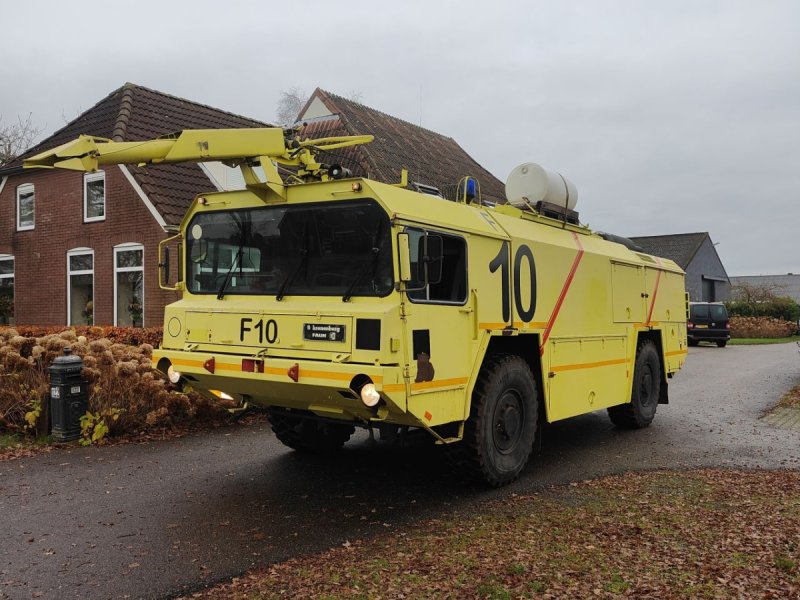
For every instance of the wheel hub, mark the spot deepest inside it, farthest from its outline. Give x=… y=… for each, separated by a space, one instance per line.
x=646 y=386
x=508 y=420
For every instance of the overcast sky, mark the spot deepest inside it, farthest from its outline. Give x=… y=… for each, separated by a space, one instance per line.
x=670 y=117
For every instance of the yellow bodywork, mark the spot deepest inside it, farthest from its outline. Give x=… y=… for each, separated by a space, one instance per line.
x=593 y=299
x=573 y=304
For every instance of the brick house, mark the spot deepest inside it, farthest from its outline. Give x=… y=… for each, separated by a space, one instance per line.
x=81 y=249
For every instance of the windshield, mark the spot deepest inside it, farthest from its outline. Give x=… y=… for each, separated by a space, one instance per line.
x=340 y=249
x=716 y=312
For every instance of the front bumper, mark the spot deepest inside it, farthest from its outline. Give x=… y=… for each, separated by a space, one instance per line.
x=321 y=387
x=711 y=335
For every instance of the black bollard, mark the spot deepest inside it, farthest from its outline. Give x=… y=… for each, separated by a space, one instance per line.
x=69 y=398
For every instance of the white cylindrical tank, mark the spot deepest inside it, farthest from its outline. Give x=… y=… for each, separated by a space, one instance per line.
x=530 y=183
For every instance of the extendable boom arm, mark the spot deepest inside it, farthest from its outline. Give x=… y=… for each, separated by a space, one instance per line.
x=89 y=153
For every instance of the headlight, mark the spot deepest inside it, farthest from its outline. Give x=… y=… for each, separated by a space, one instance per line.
x=174 y=376
x=370 y=396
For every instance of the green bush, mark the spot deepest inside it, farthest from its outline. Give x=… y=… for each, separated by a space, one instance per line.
x=785 y=309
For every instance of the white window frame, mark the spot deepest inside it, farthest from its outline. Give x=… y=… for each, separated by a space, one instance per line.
x=87 y=179
x=70 y=273
x=25 y=187
x=126 y=248
x=3 y=258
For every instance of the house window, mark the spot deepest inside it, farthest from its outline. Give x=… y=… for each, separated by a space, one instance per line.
x=6 y=289
x=129 y=285
x=80 y=286
x=94 y=197
x=25 y=207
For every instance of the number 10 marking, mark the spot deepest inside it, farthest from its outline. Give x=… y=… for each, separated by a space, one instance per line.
x=501 y=262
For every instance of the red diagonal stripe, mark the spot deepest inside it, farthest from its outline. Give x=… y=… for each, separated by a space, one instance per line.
x=563 y=294
x=655 y=295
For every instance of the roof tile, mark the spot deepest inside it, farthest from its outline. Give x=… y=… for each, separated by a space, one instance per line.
x=430 y=158
x=678 y=247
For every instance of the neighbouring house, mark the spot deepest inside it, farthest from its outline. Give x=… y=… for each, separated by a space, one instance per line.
x=80 y=249
x=435 y=162
x=779 y=285
x=695 y=253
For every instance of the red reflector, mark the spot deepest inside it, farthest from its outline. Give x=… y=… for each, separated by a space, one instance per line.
x=209 y=365
x=252 y=365
x=294 y=372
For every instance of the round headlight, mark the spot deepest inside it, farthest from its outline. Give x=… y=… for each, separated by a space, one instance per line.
x=369 y=395
x=174 y=376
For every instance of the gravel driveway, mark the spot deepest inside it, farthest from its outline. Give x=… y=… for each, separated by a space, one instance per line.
x=159 y=519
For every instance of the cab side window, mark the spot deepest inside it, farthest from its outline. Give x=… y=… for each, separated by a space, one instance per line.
x=452 y=287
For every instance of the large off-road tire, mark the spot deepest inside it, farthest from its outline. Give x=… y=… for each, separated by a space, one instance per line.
x=641 y=410
x=501 y=429
x=309 y=435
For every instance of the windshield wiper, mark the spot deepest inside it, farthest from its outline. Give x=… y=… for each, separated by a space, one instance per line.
x=236 y=259
x=370 y=266
x=290 y=277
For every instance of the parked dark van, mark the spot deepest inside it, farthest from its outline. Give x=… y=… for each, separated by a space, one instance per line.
x=708 y=322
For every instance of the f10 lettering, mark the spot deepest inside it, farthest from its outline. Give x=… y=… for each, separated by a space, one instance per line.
x=267 y=329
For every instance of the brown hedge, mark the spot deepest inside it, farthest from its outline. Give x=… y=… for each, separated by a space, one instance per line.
x=761 y=327
x=121 y=376
x=131 y=336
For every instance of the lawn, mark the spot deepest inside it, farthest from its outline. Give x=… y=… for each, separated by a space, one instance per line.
x=756 y=341
x=661 y=534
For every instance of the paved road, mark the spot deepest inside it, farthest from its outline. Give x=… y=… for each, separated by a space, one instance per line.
x=158 y=519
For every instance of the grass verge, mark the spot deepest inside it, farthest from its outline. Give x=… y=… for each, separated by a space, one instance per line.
x=662 y=534
x=758 y=341
x=17 y=445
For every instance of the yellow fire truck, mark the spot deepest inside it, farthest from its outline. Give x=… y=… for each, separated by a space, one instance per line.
x=338 y=302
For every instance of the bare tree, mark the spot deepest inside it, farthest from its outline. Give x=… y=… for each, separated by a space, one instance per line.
x=15 y=138
x=292 y=101
x=289 y=106
x=753 y=294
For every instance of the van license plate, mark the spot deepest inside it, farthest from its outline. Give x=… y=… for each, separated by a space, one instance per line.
x=323 y=333
x=701 y=326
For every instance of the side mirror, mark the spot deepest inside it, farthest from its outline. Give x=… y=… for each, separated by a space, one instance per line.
x=431 y=257
x=164 y=265
x=404 y=247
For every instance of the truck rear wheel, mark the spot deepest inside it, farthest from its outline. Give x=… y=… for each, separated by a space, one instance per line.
x=308 y=435
x=641 y=410
x=499 y=434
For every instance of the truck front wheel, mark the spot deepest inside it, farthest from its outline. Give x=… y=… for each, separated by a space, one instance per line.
x=499 y=434
x=308 y=435
x=641 y=410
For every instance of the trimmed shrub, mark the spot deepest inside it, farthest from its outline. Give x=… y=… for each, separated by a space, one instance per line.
x=777 y=308
x=761 y=327
x=122 y=382
x=132 y=336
